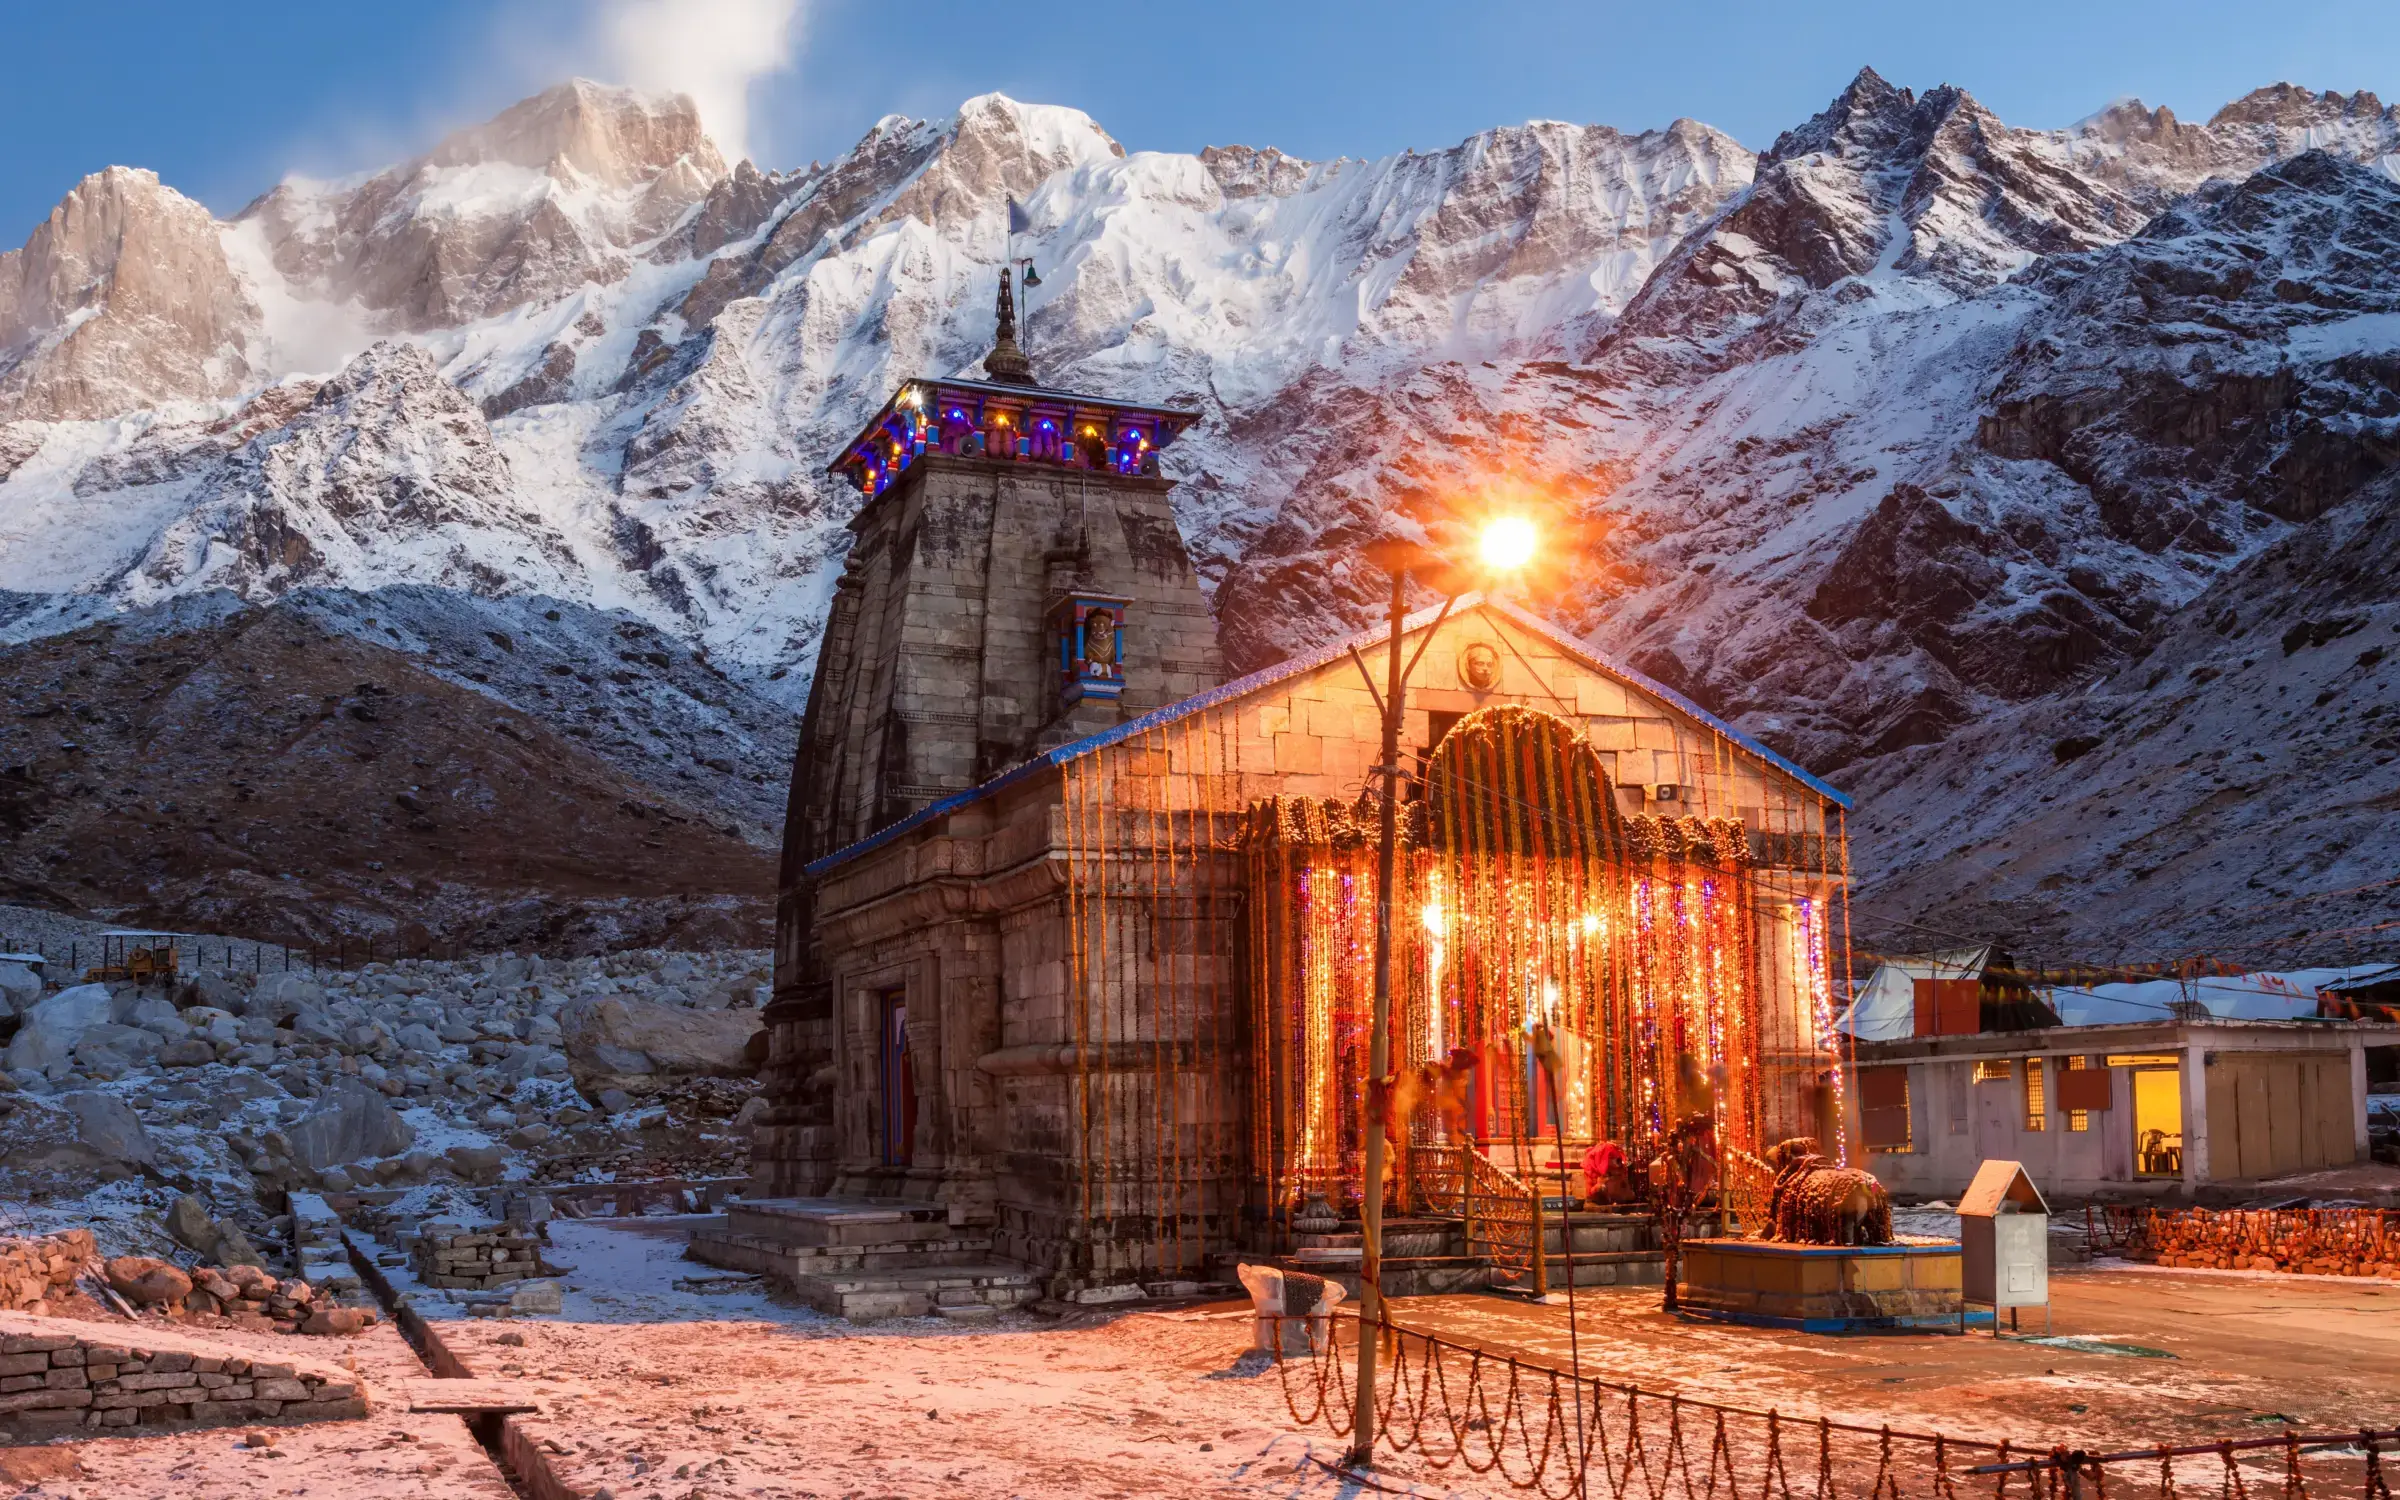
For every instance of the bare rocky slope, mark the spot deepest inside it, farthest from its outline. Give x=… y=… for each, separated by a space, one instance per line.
x=262 y=773
x=1912 y=444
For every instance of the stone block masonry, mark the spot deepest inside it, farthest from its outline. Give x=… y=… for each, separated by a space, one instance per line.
x=60 y=1376
x=456 y=1257
x=35 y=1271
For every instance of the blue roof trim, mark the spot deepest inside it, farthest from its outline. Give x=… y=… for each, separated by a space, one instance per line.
x=1293 y=667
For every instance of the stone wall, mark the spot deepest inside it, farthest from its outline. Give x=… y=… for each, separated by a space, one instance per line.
x=37 y=1271
x=458 y=1257
x=59 y=1376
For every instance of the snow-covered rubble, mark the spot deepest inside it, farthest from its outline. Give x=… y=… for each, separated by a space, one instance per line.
x=237 y=1088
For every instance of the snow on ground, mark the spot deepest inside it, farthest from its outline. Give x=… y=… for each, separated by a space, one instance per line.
x=2136 y=1359
x=390 y=1455
x=656 y=1390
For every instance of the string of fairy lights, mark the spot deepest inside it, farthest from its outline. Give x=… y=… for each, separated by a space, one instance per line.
x=1633 y=940
x=1212 y=917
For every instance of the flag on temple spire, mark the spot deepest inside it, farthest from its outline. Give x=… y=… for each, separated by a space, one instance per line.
x=1019 y=222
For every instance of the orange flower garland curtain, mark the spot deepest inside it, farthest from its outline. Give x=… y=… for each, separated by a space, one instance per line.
x=1671 y=979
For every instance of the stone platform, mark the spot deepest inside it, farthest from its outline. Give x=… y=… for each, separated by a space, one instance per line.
x=1916 y=1283
x=67 y=1376
x=865 y=1259
x=1426 y=1256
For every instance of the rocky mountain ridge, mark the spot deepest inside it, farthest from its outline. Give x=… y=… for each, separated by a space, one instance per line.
x=1912 y=424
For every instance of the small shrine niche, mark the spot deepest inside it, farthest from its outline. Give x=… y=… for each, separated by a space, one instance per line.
x=1091 y=645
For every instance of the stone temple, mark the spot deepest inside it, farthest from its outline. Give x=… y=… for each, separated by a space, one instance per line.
x=1073 y=939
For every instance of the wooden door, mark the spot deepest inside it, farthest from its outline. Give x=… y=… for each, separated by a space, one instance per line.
x=899 y=1084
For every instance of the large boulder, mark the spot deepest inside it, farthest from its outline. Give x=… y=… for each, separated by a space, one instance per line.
x=189 y=1224
x=278 y=997
x=612 y=1042
x=136 y=1042
x=157 y=1014
x=108 y=1125
x=318 y=1027
x=146 y=1282
x=191 y=1052
x=219 y=991
x=234 y=1247
x=67 y=1145
x=479 y=1164
x=20 y=988
x=46 y=1039
x=350 y=1122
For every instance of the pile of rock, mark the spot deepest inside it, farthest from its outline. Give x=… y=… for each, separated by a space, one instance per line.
x=470 y=1258
x=300 y=1080
x=59 y=1379
x=247 y=1297
x=38 y=1274
x=244 y=1297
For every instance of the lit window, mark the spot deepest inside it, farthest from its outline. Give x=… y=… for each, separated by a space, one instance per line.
x=1994 y=1070
x=2078 y=1119
x=2036 y=1107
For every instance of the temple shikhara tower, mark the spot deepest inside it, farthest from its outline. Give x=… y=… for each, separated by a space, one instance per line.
x=1072 y=984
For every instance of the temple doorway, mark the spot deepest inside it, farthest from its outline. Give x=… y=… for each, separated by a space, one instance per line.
x=899 y=1083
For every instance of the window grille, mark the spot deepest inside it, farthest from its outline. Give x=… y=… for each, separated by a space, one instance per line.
x=2036 y=1106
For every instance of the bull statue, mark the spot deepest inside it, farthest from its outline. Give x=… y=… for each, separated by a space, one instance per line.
x=1816 y=1203
x=1291 y=1311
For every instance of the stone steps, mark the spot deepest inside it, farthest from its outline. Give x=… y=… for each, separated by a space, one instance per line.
x=867 y=1297
x=1594 y=1268
x=866 y=1260
x=1423 y=1256
x=718 y=1244
x=830 y=1222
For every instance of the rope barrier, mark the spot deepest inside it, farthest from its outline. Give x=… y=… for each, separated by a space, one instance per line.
x=1549 y=1433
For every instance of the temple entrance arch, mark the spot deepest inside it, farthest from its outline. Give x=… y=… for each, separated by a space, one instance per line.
x=1528 y=901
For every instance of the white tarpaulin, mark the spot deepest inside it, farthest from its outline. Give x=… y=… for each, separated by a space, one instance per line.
x=1885 y=1009
x=2287 y=996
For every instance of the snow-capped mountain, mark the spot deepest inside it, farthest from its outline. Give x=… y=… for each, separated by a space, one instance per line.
x=656 y=353
x=1909 y=427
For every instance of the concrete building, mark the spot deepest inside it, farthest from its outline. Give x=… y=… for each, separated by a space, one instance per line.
x=2155 y=1106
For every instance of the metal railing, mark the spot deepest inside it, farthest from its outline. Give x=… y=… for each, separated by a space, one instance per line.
x=1744 y=1191
x=68 y=963
x=1497 y=1208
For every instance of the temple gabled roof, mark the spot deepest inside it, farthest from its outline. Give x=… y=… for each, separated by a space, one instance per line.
x=1267 y=677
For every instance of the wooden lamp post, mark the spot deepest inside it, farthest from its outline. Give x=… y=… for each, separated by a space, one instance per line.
x=1507 y=545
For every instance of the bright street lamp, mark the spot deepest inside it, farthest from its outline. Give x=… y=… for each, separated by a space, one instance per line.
x=1507 y=544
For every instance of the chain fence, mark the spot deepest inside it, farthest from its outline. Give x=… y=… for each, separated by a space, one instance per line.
x=70 y=961
x=1541 y=1430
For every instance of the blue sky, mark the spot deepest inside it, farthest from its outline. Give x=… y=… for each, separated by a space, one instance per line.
x=222 y=100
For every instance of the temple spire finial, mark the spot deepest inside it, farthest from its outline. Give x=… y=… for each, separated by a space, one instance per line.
x=1007 y=364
